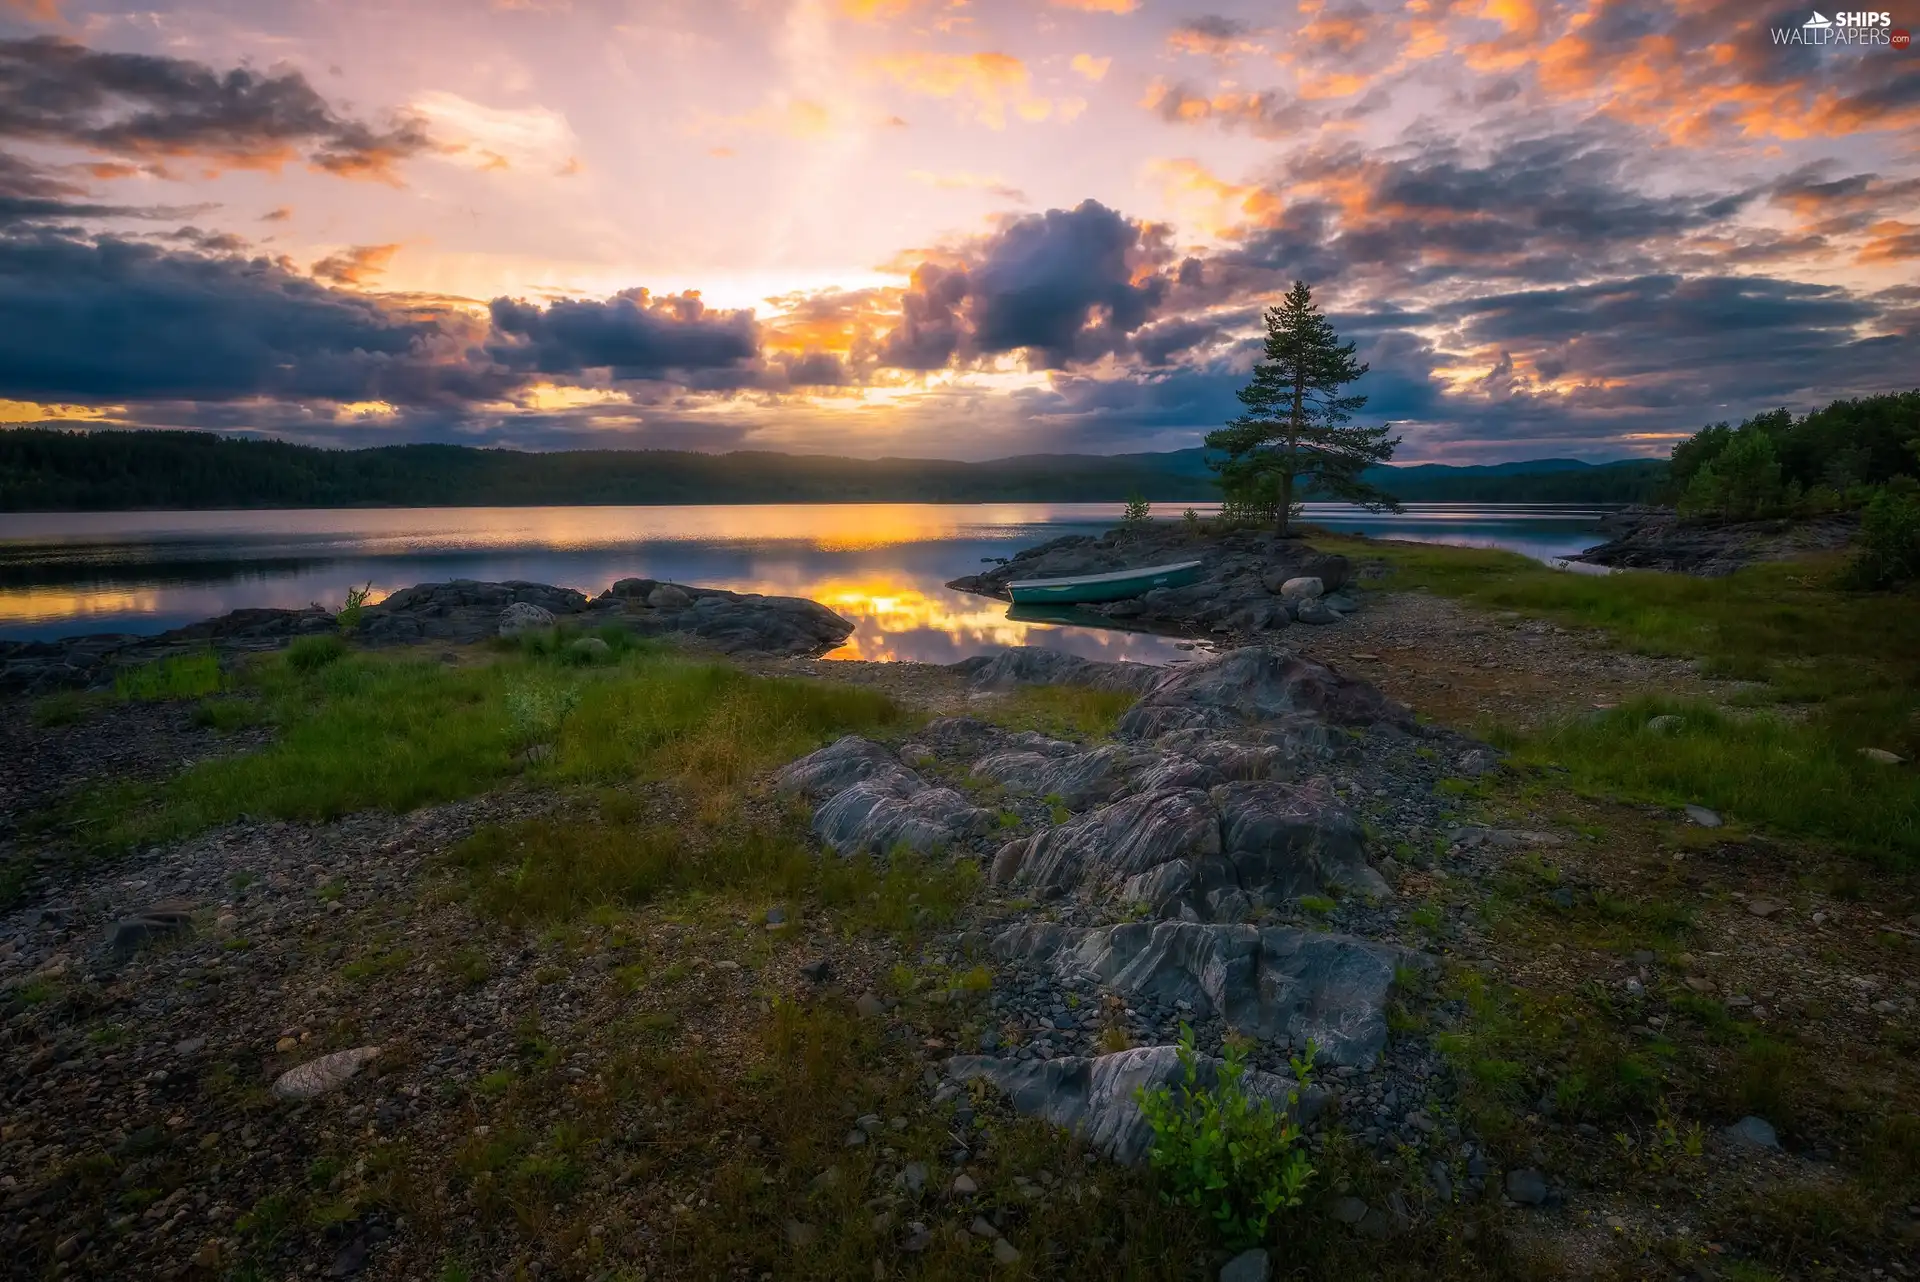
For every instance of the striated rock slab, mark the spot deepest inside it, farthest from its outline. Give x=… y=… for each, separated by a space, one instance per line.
x=1278 y=982
x=1105 y=847
x=1095 y=1096
x=1030 y=665
x=875 y=803
x=1258 y=687
x=1079 y=779
x=1202 y=855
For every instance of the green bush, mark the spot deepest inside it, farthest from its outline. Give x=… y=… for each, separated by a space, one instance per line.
x=310 y=654
x=1237 y=1161
x=185 y=676
x=1137 y=509
x=1889 y=537
x=348 y=619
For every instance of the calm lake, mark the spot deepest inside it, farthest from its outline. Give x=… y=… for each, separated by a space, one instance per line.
x=881 y=565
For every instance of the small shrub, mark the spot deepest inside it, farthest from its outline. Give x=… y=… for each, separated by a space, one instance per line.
x=1889 y=538
x=1137 y=509
x=62 y=708
x=348 y=619
x=1318 y=905
x=1237 y=1161
x=310 y=654
x=225 y=715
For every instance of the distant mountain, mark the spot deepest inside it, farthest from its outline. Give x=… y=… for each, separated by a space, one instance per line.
x=44 y=470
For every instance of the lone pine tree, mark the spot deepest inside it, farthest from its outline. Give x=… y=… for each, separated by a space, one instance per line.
x=1294 y=432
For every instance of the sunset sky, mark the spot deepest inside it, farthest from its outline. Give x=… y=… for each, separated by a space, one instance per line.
x=956 y=228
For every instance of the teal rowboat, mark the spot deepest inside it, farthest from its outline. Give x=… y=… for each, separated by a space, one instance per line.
x=1115 y=586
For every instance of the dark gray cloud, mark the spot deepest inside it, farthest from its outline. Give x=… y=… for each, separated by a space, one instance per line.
x=633 y=334
x=114 y=319
x=150 y=108
x=1062 y=287
x=34 y=193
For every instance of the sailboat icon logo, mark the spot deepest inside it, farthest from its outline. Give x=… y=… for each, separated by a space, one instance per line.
x=1817 y=22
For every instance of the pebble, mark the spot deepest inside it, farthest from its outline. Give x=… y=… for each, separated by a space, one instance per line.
x=1528 y=1187
x=964 y=1185
x=1764 y=907
x=1248 y=1266
x=1004 y=1251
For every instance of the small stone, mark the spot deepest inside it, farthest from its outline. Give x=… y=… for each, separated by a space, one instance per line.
x=801 y=1236
x=68 y=1248
x=919 y=1237
x=1376 y=1224
x=192 y=1046
x=912 y=1178
x=776 y=916
x=350 y=1260
x=1704 y=817
x=818 y=971
x=1882 y=756
x=982 y=1228
x=316 y=1077
x=1441 y=1180
x=827 y=1179
x=869 y=1006
x=1754 y=1131
x=1347 y=1210
x=1764 y=907
x=855 y=1138
x=1666 y=723
x=208 y=1256
x=964 y=1185
x=1004 y=1252
x=1527 y=1187
x=1248 y=1266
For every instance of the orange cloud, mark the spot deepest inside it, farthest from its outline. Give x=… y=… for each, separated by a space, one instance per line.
x=35 y=10
x=355 y=265
x=1098 y=6
x=989 y=84
x=1092 y=68
x=1219 y=207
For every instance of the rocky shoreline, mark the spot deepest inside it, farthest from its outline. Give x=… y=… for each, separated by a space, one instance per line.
x=1252 y=582
x=1657 y=538
x=460 y=612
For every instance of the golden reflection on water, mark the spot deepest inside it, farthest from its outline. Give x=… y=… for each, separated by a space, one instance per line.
x=38 y=605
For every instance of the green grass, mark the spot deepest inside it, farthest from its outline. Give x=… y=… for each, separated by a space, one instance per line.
x=61 y=708
x=185 y=676
x=1841 y=668
x=394 y=732
x=1790 y=776
x=1061 y=711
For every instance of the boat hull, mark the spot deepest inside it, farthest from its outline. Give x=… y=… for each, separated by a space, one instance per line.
x=1096 y=588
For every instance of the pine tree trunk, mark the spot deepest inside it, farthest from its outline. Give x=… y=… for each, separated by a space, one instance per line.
x=1293 y=449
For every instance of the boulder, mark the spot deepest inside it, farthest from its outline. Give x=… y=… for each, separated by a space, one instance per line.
x=1315 y=611
x=895 y=807
x=1278 y=982
x=1286 y=840
x=590 y=650
x=1095 y=1097
x=1303 y=588
x=319 y=1076
x=166 y=920
x=669 y=596
x=1256 y=687
x=1030 y=665
x=521 y=617
x=835 y=768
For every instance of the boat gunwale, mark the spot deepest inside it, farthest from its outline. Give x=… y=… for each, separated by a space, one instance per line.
x=1111 y=576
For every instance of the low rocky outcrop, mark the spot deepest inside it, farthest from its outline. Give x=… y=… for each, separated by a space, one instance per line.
x=1278 y=984
x=1030 y=665
x=1655 y=538
x=1095 y=1096
x=867 y=799
x=459 y=612
x=1078 y=779
x=1244 y=574
x=1199 y=855
x=1259 y=688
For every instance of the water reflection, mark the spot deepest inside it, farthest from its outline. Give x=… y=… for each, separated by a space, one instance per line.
x=882 y=566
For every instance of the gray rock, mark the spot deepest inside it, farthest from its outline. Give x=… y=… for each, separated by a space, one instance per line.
x=319 y=1076
x=1704 y=817
x=522 y=617
x=896 y=807
x=1271 y=983
x=167 y=920
x=1347 y=1210
x=1340 y=603
x=1078 y=780
x=817 y=971
x=1528 y=1187
x=1004 y=1252
x=1303 y=588
x=1109 y=845
x=835 y=768
x=1095 y=1097
x=1755 y=1132
x=669 y=596
x=1030 y=665
x=1315 y=611
x=1441 y=1180
x=1667 y=723
x=1257 y=687
x=1248 y=1266
x=1880 y=756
